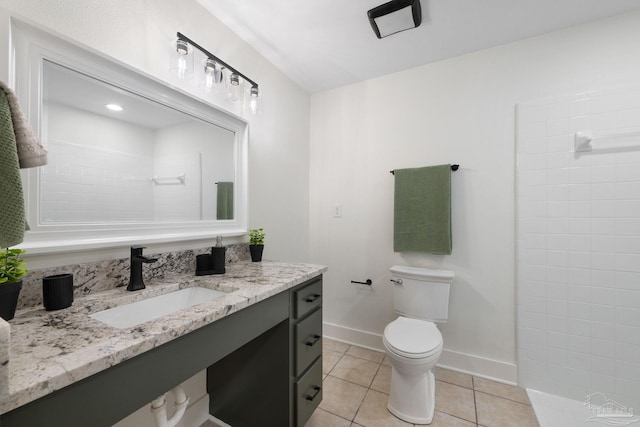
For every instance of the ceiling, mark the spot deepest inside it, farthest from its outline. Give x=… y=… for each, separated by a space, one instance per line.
x=323 y=44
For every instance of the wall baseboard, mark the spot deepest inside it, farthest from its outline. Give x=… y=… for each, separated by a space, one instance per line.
x=462 y=362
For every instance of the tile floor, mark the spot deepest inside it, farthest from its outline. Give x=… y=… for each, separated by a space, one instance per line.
x=356 y=388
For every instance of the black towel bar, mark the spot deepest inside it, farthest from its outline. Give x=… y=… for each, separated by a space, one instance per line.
x=453 y=168
x=369 y=282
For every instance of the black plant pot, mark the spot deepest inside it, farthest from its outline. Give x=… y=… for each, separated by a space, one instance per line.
x=9 y=293
x=256 y=252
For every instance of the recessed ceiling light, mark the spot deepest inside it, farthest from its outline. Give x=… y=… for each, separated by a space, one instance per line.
x=114 y=107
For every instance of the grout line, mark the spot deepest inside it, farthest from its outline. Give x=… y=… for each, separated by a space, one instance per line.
x=475 y=403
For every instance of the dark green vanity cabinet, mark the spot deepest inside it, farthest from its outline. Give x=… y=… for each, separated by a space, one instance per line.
x=259 y=384
x=264 y=368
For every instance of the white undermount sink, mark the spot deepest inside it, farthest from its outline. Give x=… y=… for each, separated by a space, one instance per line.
x=135 y=313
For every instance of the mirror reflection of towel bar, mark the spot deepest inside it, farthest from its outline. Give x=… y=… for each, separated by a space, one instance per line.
x=168 y=180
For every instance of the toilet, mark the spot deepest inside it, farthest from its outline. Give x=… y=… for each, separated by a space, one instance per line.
x=413 y=343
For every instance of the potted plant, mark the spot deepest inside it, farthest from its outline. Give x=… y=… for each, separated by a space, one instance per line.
x=256 y=244
x=11 y=272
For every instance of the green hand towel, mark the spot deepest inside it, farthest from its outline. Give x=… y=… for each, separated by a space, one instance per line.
x=225 y=200
x=422 y=210
x=12 y=216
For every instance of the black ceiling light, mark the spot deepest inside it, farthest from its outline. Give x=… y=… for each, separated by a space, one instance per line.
x=395 y=16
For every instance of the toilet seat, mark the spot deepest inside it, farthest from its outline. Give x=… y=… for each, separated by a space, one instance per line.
x=412 y=338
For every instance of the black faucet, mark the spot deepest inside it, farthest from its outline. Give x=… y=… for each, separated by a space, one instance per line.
x=135 y=280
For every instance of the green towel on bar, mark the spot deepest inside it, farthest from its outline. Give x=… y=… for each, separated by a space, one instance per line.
x=225 y=200
x=12 y=216
x=422 y=210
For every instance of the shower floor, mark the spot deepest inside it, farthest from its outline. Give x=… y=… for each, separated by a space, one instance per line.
x=557 y=411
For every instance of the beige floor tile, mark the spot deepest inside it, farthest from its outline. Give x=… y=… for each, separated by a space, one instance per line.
x=453 y=377
x=455 y=400
x=502 y=390
x=322 y=418
x=495 y=411
x=329 y=360
x=337 y=346
x=373 y=412
x=356 y=370
x=386 y=361
x=440 y=419
x=382 y=380
x=341 y=397
x=365 y=353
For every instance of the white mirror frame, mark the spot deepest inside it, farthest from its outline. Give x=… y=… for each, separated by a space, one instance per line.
x=30 y=47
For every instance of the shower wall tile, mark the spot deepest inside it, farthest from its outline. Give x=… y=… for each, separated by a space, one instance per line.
x=578 y=226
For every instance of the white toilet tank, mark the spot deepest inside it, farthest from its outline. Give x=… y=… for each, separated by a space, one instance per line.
x=421 y=293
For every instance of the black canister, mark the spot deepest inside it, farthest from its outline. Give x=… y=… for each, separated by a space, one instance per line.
x=218 y=255
x=57 y=291
x=204 y=265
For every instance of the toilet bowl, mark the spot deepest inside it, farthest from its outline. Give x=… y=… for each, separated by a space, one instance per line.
x=413 y=347
x=413 y=343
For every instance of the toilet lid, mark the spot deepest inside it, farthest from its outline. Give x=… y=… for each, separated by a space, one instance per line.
x=413 y=336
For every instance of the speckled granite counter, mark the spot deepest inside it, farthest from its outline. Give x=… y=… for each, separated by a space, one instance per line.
x=50 y=350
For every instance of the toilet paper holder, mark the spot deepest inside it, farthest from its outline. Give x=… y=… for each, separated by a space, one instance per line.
x=369 y=282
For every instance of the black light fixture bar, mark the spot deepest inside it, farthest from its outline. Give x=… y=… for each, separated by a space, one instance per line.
x=215 y=58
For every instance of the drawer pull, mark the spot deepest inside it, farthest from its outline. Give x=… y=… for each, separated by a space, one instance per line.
x=312 y=298
x=313 y=340
x=312 y=396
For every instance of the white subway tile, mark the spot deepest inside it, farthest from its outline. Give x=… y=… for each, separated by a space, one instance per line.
x=580 y=192
x=580 y=344
x=603 y=191
x=557 y=176
x=603 y=365
x=579 y=209
x=557 y=226
x=628 y=262
x=579 y=259
x=579 y=310
x=627 y=208
x=628 y=352
x=602 y=103
x=628 y=334
x=603 y=296
x=580 y=226
x=627 y=226
x=629 y=371
x=579 y=327
x=580 y=107
x=627 y=244
x=603 y=313
x=557 y=242
x=603 y=173
x=603 y=122
x=557 y=192
x=627 y=190
x=604 y=226
x=606 y=331
x=578 y=279
x=556 y=356
x=557 y=209
x=580 y=175
x=557 y=323
x=627 y=280
x=600 y=243
x=626 y=173
x=557 y=290
x=557 y=307
x=558 y=111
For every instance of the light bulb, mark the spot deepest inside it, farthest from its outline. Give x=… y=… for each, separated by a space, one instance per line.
x=181 y=60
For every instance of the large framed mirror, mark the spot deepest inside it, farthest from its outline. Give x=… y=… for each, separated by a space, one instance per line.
x=131 y=159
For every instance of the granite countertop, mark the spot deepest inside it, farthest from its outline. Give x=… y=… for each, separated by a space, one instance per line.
x=49 y=350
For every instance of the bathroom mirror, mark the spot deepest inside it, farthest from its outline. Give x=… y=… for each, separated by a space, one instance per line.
x=131 y=159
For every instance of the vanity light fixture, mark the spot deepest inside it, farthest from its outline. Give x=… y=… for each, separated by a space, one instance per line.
x=214 y=71
x=114 y=107
x=395 y=16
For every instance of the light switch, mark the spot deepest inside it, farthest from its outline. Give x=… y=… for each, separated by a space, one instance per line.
x=337 y=211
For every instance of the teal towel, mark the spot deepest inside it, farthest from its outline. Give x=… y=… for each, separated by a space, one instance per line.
x=422 y=210
x=225 y=200
x=12 y=216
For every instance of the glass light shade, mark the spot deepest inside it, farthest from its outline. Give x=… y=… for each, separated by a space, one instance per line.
x=212 y=75
x=182 y=60
x=255 y=101
x=234 y=87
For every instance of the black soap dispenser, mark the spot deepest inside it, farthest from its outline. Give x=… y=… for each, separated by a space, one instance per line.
x=218 y=256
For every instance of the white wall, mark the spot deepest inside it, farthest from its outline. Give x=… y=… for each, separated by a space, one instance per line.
x=579 y=246
x=455 y=111
x=140 y=33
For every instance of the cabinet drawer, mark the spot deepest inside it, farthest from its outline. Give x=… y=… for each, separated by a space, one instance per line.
x=308 y=393
x=308 y=336
x=307 y=298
